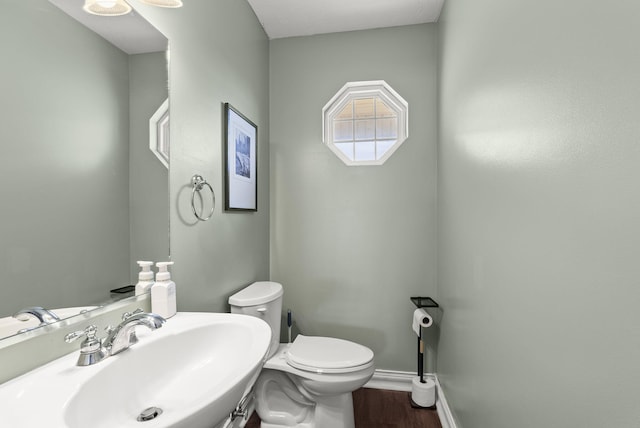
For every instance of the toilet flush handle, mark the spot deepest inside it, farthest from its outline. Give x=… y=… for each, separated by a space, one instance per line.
x=262 y=311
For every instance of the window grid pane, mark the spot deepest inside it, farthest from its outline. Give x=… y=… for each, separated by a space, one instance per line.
x=343 y=130
x=367 y=129
x=386 y=128
x=365 y=151
x=346 y=113
x=364 y=108
x=346 y=149
x=383 y=110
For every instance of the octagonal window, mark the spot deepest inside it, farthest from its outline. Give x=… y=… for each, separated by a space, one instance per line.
x=365 y=122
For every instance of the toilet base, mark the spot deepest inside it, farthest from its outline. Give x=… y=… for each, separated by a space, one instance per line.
x=335 y=412
x=329 y=412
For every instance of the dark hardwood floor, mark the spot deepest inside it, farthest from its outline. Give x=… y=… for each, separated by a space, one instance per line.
x=378 y=408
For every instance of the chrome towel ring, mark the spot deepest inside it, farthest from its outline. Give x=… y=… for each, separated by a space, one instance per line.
x=198 y=183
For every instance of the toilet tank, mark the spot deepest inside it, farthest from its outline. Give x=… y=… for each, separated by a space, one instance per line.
x=262 y=299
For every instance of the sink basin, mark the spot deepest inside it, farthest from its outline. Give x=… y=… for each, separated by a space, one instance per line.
x=196 y=368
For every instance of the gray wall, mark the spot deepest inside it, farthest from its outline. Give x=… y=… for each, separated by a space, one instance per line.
x=64 y=166
x=219 y=53
x=539 y=209
x=351 y=244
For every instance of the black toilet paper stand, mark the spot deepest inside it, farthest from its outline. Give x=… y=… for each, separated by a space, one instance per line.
x=422 y=302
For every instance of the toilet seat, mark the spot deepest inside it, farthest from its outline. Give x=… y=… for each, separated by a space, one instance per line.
x=327 y=355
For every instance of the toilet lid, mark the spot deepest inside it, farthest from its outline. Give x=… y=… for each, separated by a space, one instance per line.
x=327 y=354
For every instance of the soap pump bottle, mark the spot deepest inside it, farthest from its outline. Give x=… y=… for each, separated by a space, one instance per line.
x=163 y=292
x=145 y=278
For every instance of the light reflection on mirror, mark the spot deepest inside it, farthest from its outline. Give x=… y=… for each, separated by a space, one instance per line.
x=83 y=196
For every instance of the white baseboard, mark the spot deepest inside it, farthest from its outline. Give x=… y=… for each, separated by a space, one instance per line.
x=444 y=411
x=391 y=380
x=402 y=381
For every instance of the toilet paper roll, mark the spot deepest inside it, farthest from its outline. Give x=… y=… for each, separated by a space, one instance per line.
x=423 y=394
x=421 y=319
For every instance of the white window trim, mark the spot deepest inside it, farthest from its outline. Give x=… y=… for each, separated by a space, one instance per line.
x=367 y=89
x=159 y=133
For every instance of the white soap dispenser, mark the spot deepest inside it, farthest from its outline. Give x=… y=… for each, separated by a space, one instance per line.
x=163 y=292
x=145 y=278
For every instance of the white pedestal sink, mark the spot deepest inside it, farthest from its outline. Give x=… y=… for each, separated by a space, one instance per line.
x=196 y=368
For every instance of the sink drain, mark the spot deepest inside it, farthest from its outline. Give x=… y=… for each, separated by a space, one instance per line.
x=149 y=414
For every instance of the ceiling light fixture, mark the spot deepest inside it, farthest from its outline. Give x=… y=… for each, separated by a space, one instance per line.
x=106 y=7
x=163 y=3
x=121 y=7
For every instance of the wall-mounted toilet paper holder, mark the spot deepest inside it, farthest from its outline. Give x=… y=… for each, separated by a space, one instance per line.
x=424 y=302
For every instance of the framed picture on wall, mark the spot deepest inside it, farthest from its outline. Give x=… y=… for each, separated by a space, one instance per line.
x=241 y=166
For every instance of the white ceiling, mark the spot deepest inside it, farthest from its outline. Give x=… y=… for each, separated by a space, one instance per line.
x=288 y=18
x=279 y=18
x=130 y=33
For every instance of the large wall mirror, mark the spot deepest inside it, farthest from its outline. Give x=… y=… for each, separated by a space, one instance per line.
x=83 y=197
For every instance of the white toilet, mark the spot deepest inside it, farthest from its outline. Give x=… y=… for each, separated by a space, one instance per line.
x=308 y=383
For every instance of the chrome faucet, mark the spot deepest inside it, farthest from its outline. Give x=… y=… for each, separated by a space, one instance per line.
x=94 y=350
x=123 y=336
x=43 y=315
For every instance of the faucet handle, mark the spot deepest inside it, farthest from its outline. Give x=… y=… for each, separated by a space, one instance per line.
x=130 y=314
x=90 y=349
x=90 y=332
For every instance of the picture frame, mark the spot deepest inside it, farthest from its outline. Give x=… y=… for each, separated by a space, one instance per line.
x=241 y=161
